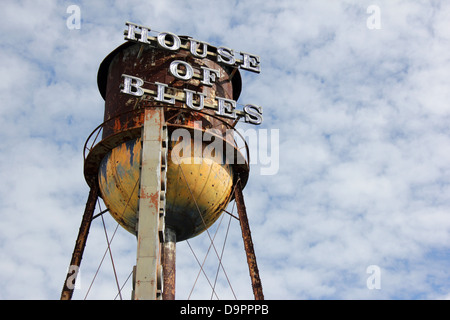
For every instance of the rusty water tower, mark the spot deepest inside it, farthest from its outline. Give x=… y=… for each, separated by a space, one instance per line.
x=160 y=195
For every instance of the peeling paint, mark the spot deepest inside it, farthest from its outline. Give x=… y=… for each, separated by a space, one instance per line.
x=210 y=183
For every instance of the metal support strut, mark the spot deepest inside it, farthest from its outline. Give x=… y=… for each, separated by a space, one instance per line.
x=147 y=283
x=77 y=255
x=168 y=263
x=248 y=243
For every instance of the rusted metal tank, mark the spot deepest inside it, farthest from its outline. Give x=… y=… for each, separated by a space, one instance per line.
x=197 y=190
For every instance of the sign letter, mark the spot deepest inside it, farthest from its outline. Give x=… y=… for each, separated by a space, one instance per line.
x=194 y=45
x=174 y=70
x=253 y=114
x=226 y=108
x=176 y=42
x=132 y=85
x=226 y=56
x=190 y=99
x=131 y=33
x=210 y=75
x=160 y=96
x=251 y=62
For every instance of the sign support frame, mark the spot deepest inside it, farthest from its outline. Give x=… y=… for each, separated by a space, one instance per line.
x=147 y=282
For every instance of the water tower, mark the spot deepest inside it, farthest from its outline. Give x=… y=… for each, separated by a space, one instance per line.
x=166 y=160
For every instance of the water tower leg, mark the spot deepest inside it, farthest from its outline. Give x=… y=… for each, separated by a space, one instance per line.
x=168 y=264
x=80 y=244
x=148 y=226
x=248 y=243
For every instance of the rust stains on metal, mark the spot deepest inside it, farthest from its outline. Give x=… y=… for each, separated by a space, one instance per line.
x=150 y=113
x=153 y=198
x=248 y=243
x=168 y=264
x=80 y=244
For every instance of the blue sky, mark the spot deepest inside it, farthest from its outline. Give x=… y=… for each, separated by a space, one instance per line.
x=364 y=170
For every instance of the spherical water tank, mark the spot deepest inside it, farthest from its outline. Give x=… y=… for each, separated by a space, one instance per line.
x=196 y=193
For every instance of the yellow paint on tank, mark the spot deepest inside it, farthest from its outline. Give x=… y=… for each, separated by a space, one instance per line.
x=119 y=182
x=193 y=185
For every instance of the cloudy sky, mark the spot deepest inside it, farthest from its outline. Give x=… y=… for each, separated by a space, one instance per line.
x=357 y=91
